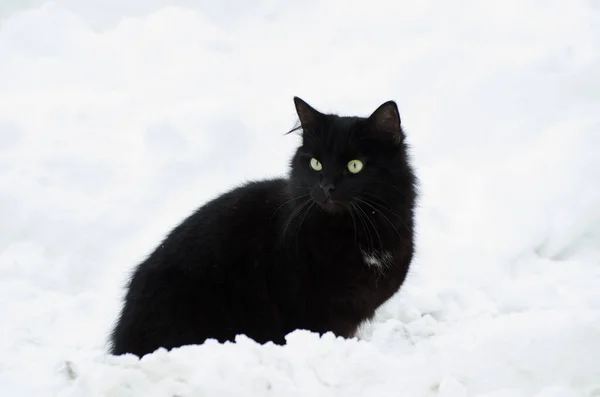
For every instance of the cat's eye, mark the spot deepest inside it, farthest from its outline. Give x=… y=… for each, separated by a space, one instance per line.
x=355 y=166
x=316 y=164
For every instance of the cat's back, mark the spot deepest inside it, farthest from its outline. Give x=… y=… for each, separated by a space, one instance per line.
x=241 y=204
x=244 y=218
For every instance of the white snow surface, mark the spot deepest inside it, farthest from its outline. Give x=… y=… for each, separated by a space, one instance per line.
x=119 y=118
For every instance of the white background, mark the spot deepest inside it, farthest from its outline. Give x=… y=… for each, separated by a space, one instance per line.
x=117 y=119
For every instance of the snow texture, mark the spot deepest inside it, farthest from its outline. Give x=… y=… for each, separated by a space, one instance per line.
x=117 y=119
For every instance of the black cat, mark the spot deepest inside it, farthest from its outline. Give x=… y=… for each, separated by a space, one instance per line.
x=321 y=250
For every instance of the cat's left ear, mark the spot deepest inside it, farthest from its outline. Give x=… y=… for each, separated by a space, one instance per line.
x=306 y=113
x=386 y=118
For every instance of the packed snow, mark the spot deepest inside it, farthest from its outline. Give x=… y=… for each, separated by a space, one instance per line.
x=117 y=119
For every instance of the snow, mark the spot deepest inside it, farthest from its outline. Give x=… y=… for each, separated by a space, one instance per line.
x=117 y=119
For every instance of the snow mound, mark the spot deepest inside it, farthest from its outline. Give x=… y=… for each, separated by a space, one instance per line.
x=526 y=359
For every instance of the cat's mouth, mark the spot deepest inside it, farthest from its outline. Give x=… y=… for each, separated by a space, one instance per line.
x=327 y=201
x=330 y=205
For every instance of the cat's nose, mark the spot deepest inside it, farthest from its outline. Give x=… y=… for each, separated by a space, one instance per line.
x=327 y=188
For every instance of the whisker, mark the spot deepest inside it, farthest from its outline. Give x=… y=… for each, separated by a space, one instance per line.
x=287 y=202
x=398 y=189
x=361 y=215
x=353 y=221
x=382 y=215
x=293 y=215
x=373 y=225
x=388 y=210
x=302 y=221
x=358 y=215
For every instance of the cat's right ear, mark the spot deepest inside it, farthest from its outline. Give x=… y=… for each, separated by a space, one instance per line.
x=386 y=119
x=306 y=113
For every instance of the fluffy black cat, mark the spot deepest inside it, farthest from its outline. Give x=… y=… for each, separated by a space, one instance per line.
x=320 y=250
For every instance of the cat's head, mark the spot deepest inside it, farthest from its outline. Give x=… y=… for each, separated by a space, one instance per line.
x=349 y=161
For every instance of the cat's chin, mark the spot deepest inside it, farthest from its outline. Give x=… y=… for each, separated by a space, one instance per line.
x=332 y=206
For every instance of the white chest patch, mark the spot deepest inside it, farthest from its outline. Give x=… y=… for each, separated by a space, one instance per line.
x=379 y=259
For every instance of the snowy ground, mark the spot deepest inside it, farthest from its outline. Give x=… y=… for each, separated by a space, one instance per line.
x=119 y=118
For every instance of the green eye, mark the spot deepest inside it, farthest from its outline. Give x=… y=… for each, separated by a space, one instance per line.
x=355 y=166
x=315 y=164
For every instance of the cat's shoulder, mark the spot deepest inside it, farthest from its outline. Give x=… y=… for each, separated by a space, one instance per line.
x=264 y=186
x=248 y=200
x=263 y=190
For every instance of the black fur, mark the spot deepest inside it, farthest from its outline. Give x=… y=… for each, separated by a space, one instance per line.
x=277 y=255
